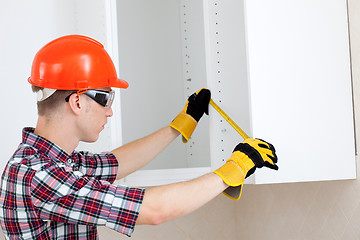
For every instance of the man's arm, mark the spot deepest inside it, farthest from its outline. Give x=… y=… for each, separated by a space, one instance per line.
x=164 y=203
x=136 y=154
x=161 y=204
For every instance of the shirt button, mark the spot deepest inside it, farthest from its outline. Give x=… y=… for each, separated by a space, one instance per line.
x=70 y=160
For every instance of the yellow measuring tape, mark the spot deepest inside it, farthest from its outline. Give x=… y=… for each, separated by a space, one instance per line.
x=228 y=119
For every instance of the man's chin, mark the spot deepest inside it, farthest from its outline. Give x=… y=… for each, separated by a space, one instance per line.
x=90 y=140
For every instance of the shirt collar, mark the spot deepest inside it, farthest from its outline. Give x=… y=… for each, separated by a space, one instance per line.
x=43 y=145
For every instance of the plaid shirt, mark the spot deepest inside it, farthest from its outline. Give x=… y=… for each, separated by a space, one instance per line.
x=47 y=194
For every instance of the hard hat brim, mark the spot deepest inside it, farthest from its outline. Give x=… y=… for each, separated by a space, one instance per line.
x=119 y=83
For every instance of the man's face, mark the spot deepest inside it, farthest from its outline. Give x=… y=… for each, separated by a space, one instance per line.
x=93 y=118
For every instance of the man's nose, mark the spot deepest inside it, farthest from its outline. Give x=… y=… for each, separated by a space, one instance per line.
x=109 y=112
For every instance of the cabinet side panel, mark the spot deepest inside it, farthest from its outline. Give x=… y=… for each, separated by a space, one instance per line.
x=227 y=76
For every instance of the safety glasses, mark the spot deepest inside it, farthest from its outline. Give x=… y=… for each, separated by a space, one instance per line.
x=104 y=98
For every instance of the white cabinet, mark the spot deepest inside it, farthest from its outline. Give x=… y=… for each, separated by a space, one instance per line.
x=280 y=69
x=299 y=83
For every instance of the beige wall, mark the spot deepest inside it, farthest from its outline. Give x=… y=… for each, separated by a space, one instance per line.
x=316 y=210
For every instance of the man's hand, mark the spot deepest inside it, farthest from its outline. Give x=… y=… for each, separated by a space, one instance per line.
x=196 y=105
x=246 y=157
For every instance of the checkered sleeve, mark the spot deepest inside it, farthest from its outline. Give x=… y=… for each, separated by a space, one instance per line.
x=63 y=195
x=103 y=166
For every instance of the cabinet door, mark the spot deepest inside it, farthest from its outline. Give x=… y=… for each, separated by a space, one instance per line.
x=296 y=82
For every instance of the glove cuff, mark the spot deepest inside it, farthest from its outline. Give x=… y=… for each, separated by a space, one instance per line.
x=185 y=124
x=242 y=160
x=231 y=173
x=233 y=193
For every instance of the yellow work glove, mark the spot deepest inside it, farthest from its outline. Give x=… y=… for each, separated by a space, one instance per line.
x=196 y=105
x=246 y=157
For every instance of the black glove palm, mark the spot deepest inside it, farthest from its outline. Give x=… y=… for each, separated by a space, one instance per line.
x=198 y=104
x=185 y=122
x=256 y=154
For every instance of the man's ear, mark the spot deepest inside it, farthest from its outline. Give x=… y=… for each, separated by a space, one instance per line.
x=74 y=103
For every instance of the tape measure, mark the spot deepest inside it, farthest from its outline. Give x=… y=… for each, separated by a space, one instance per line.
x=228 y=119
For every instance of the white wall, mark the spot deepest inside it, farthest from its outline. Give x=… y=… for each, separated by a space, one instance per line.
x=23 y=30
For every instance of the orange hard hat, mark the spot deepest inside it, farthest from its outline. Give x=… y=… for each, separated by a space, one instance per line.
x=74 y=62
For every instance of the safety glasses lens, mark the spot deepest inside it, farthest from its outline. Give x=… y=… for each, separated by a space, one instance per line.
x=110 y=100
x=102 y=97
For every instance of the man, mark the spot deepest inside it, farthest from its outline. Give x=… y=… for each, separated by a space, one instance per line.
x=50 y=191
